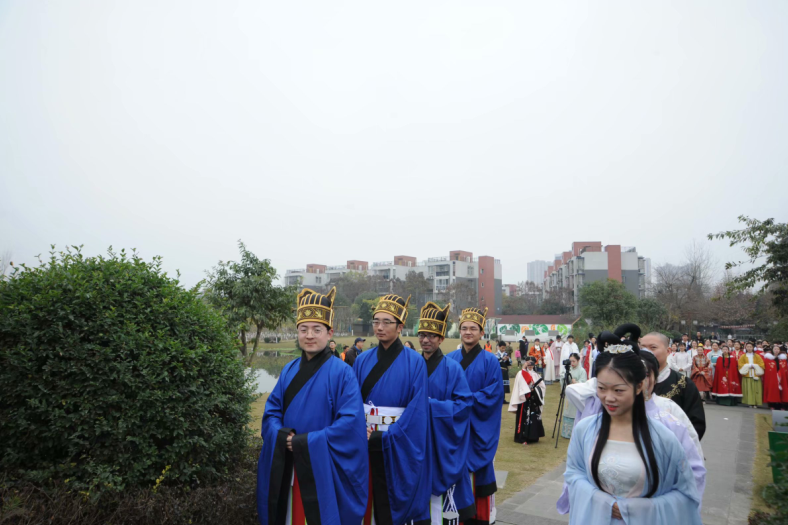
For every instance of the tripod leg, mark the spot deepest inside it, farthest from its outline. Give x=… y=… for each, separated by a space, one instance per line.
x=560 y=409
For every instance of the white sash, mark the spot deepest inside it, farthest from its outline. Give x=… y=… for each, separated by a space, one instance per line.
x=381 y=418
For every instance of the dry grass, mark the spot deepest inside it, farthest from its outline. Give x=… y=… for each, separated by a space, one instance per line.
x=761 y=472
x=524 y=464
x=258 y=408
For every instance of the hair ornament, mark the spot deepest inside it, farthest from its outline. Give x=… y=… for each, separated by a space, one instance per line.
x=618 y=349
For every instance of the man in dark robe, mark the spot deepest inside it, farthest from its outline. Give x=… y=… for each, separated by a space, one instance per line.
x=309 y=468
x=451 y=497
x=393 y=380
x=675 y=386
x=484 y=379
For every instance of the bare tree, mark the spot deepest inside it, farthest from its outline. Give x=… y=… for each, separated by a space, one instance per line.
x=462 y=295
x=6 y=263
x=699 y=270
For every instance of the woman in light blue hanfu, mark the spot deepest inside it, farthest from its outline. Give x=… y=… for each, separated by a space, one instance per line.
x=623 y=467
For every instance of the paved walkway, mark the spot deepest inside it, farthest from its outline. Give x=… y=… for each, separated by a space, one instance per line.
x=729 y=447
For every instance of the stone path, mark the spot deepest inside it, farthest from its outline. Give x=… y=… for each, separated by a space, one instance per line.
x=729 y=447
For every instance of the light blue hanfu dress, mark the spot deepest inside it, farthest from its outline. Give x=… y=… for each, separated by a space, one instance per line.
x=676 y=500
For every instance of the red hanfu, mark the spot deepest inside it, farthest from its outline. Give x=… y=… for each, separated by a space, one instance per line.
x=701 y=373
x=727 y=381
x=771 y=381
x=587 y=361
x=783 y=375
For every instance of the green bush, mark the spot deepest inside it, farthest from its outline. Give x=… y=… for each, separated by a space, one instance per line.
x=112 y=374
x=230 y=501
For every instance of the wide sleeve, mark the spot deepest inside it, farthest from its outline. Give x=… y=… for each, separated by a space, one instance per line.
x=688 y=440
x=520 y=392
x=579 y=393
x=450 y=421
x=758 y=365
x=744 y=365
x=333 y=476
x=275 y=462
x=589 y=504
x=405 y=447
x=486 y=417
x=678 y=500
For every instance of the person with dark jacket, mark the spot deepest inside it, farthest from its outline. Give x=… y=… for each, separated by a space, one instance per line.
x=352 y=353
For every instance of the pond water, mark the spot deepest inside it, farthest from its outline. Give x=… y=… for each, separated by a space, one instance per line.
x=263 y=380
x=266 y=372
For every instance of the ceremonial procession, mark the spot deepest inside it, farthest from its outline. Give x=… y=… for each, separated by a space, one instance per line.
x=631 y=406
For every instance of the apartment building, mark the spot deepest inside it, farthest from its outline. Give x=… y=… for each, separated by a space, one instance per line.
x=536 y=271
x=587 y=262
x=483 y=274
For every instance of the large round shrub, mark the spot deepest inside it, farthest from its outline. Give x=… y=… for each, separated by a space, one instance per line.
x=111 y=373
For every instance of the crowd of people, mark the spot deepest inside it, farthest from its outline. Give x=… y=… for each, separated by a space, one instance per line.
x=730 y=372
x=429 y=423
x=634 y=414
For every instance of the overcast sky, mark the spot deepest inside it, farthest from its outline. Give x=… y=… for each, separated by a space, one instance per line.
x=319 y=132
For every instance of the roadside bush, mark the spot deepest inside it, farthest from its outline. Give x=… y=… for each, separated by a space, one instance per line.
x=115 y=377
x=228 y=501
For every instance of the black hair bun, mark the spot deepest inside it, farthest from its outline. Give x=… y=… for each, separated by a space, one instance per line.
x=630 y=329
x=607 y=338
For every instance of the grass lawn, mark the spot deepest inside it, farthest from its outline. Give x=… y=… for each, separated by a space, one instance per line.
x=525 y=464
x=761 y=472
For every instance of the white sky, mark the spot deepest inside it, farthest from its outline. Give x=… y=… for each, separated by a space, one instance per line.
x=326 y=131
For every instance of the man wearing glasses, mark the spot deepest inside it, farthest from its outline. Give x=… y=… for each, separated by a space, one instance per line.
x=393 y=382
x=309 y=468
x=484 y=379
x=450 y=410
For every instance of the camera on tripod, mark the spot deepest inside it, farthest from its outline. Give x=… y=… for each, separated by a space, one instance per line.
x=567 y=363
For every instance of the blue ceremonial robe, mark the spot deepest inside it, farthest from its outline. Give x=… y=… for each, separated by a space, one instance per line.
x=676 y=501
x=325 y=412
x=450 y=410
x=405 y=447
x=484 y=379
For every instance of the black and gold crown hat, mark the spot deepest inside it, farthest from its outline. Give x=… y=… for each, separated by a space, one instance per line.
x=394 y=305
x=433 y=319
x=477 y=315
x=315 y=307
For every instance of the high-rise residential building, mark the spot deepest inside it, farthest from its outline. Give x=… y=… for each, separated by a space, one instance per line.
x=536 y=271
x=587 y=262
x=479 y=277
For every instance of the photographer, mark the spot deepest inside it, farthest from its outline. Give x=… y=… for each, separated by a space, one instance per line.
x=574 y=374
x=505 y=361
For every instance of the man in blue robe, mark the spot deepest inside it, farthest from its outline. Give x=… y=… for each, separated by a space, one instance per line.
x=393 y=380
x=451 y=500
x=309 y=468
x=484 y=379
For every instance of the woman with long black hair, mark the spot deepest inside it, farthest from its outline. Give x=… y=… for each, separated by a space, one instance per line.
x=621 y=465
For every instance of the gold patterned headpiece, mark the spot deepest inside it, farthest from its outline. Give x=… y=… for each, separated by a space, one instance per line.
x=433 y=319
x=477 y=315
x=393 y=305
x=315 y=307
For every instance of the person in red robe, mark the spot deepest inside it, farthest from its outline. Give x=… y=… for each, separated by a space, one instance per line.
x=727 y=381
x=701 y=374
x=771 y=380
x=782 y=360
x=587 y=357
